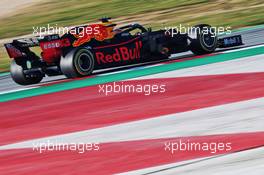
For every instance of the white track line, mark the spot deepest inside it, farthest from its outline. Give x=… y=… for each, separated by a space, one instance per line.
x=245 y=48
x=242 y=163
x=17 y=90
x=244 y=65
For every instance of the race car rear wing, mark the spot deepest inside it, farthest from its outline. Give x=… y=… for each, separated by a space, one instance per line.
x=20 y=47
x=230 y=41
x=13 y=52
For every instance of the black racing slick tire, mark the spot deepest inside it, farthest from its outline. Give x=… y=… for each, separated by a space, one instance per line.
x=77 y=63
x=18 y=75
x=203 y=39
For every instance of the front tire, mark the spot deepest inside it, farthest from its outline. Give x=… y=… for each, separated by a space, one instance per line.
x=77 y=63
x=203 y=39
x=18 y=75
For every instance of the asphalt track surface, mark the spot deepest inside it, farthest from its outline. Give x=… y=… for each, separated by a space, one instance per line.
x=250 y=38
x=219 y=102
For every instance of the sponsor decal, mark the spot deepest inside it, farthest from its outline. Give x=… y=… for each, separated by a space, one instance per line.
x=50 y=45
x=231 y=41
x=123 y=53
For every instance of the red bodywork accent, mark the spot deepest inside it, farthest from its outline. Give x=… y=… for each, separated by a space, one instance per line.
x=52 y=50
x=99 y=32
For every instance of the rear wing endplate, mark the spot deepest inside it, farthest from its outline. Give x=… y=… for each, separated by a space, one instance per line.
x=12 y=51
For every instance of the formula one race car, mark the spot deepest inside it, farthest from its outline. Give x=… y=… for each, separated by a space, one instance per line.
x=98 y=46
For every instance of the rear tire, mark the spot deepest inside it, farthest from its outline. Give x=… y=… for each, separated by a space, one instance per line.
x=203 y=39
x=77 y=63
x=20 y=77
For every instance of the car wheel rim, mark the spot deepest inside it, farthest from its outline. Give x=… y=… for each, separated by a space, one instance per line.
x=84 y=62
x=208 y=40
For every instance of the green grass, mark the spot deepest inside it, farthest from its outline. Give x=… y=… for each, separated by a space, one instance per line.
x=4 y=60
x=73 y=12
x=154 y=13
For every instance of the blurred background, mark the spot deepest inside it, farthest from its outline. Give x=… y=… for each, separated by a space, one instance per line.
x=17 y=17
